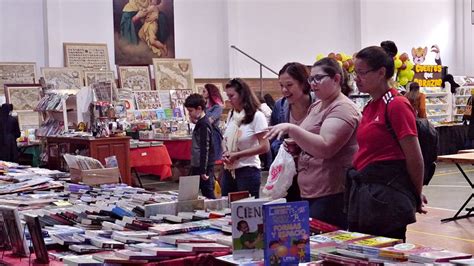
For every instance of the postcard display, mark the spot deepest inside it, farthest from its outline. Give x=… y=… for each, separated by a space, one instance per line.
x=163 y=108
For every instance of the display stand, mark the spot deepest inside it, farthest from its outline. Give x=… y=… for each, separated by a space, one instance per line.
x=98 y=148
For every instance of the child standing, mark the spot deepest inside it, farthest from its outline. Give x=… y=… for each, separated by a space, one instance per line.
x=202 y=152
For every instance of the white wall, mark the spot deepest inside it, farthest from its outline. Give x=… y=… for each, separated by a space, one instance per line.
x=21 y=31
x=273 y=31
x=411 y=24
x=276 y=32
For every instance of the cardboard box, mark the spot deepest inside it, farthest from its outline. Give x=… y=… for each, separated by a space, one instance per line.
x=96 y=176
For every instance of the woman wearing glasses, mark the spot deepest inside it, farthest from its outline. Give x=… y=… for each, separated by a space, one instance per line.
x=243 y=140
x=327 y=140
x=384 y=189
x=291 y=108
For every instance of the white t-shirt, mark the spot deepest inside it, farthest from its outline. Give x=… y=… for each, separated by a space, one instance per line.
x=248 y=139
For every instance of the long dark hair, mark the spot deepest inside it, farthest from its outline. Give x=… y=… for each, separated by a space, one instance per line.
x=250 y=102
x=214 y=95
x=298 y=72
x=332 y=67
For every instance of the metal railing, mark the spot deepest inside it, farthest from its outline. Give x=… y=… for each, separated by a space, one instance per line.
x=261 y=65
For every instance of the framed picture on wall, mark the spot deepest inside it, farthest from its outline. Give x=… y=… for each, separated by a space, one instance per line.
x=63 y=78
x=88 y=56
x=173 y=74
x=147 y=100
x=137 y=78
x=220 y=86
x=17 y=73
x=24 y=97
x=137 y=42
x=91 y=77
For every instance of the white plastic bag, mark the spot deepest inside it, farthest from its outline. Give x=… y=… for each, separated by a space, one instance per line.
x=280 y=175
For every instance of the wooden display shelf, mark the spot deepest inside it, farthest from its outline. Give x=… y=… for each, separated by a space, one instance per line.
x=98 y=148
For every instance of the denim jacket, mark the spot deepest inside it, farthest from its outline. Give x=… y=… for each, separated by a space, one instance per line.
x=281 y=114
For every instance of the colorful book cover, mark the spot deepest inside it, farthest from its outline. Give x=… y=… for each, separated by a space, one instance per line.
x=168 y=113
x=160 y=113
x=286 y=233
x=247 y=228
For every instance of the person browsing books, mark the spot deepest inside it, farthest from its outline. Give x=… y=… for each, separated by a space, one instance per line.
x=326 y=141
x=202 y=152
x=384 y=189
x=243 y=140
x=214 y=107
x=9 y=132
x=292 y=108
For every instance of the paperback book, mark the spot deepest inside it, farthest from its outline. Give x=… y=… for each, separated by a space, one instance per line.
x=247 y=228
x=286 y=232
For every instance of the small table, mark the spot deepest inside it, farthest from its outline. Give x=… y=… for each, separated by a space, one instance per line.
x=468 y=158
x=32 y=149
x=151 y=160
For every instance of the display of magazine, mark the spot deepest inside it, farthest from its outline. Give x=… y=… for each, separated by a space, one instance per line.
x=82 y=162
x=103 y=91
x=286 y=232
x=247 y=228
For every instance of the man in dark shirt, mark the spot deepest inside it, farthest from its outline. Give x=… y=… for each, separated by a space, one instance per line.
x=202 y=152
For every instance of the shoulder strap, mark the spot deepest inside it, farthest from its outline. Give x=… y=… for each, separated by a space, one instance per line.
x=387 y=98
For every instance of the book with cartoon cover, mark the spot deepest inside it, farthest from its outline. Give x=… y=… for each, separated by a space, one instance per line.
x=286 y=233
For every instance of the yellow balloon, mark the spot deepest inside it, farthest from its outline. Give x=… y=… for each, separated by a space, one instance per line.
x=398 y=63
x=403 y=81
x=319 y=57
x=411 y=74
x=409 y=65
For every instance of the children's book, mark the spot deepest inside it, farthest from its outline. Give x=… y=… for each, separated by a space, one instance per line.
x=403 y=250
x=247 y=228
x=286 y=232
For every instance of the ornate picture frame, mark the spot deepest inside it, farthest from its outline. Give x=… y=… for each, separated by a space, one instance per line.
x=137 y=78
x=91 y=77
x=147 y=100
x=17 y=73
x=173 y=74
x=63 y=78
x=24 y=97
x=88 y=56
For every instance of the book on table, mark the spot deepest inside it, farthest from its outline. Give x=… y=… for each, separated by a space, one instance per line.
x=286 y=232
x=247 y=228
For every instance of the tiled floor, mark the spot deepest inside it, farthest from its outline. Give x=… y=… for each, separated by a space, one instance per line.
x=446 y=193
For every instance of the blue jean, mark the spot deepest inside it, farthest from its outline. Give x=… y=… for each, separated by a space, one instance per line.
x=246 y=179
x=206 y=186
x=329 y=209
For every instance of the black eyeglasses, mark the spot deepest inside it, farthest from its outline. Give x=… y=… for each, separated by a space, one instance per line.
x=363 y=73
x=233 y=82
x=316 y=79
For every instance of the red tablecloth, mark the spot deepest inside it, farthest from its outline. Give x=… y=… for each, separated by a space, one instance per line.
x=178 y=149
x=151 y=160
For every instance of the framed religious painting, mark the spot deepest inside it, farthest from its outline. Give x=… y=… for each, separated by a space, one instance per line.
x=91 y=77
x=88 y=56
x=137 y=78
x=24 y=97
x=143 y=30
x=173 y=74
x=17 y=73
x=220 y=87
x=63 y=78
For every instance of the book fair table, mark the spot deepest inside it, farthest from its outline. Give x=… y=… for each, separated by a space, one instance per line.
x=151 y=160
x=458 y=159
x=178 y=148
